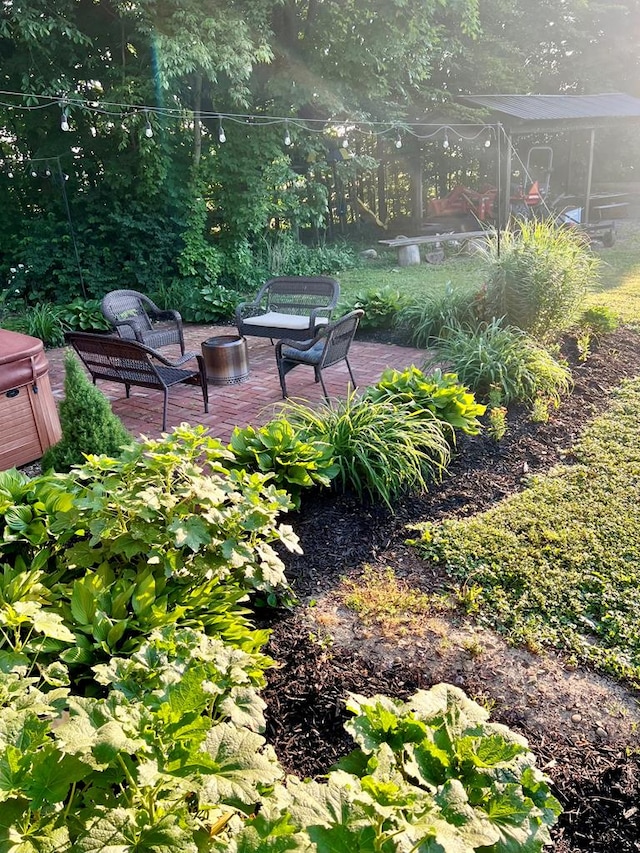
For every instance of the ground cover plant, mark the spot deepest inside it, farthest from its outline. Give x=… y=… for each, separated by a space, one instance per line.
x=554 y=565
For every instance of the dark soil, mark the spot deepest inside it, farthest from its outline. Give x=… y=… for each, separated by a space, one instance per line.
x=597 y=779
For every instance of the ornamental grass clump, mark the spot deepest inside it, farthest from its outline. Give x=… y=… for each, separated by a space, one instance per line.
x=425 y=318
x=380 y=449
x=537 y=277
x=494 y=355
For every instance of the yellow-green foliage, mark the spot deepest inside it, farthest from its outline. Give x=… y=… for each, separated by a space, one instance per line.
x=88 y=424
x=558 y=563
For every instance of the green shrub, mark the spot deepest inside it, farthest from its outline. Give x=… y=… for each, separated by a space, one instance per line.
x=427 y=317
x=380 y=306
x=88 y=424
x=277 y=449
x=83 y=315
x=206 y=303
x=441 y=394
x=163 y=534
x=493 y=355
x=599 y=320
x=380 y=449
x=539 y=280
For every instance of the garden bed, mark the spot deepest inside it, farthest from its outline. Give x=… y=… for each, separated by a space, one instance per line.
x=581 y=725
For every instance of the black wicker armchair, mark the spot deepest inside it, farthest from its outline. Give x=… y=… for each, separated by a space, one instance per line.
x=330 y=346
x=136 y=318
x=132 y=364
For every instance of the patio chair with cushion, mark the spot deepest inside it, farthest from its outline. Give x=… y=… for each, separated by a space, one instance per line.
x=330 y=346
x=135 y=317
x=295 y=306
x=131 y=363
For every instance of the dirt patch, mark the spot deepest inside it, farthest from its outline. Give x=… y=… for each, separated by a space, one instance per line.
x=583 y=727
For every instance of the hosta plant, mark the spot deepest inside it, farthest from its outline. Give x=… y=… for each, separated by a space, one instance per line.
x=294 y=462
x=380 y=305
x=438 y=393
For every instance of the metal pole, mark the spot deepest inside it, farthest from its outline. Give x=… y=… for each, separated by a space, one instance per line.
x=499 y=187
x=61 y=178
x=587 y=203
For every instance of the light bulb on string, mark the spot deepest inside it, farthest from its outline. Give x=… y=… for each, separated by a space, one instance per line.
x=398 y=140
x=287 y=136
x=34 y=173
x=487 y=142
x=345 y=142
x=64 y=121
x=47 y=172
x=222 y=137
x=445 y=144
x=148 y=131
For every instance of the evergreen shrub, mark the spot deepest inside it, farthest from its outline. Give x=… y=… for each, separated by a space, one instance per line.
x=88 y=424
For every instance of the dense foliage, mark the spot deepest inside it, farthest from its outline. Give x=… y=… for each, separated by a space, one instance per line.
x=89 y=426
x=130 y=713
x=493 y=357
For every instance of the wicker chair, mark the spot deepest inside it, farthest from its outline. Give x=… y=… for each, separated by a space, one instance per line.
x=136 y=318
x=131 y=363
x=329 y=347
x=291 y=306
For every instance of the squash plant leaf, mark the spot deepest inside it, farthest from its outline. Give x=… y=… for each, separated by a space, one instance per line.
x=122 y=830
x=241 y=765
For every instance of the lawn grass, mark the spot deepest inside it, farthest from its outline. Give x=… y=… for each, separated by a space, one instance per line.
x=618 y=288
x=556 y=565
x=411 y=281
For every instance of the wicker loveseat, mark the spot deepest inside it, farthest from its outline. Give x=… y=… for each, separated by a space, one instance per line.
x=293 y=307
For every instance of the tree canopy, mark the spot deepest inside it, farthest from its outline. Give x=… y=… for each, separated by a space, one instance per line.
x=142 y=188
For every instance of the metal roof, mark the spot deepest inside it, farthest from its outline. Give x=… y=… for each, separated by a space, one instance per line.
x=542 y=108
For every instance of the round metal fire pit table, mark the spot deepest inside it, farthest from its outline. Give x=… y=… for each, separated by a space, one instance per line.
x=226 y=359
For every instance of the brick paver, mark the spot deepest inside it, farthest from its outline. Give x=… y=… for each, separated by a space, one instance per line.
x=254 y=401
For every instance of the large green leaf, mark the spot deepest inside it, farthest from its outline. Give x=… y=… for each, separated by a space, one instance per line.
x=122 y=830
x=241 y=765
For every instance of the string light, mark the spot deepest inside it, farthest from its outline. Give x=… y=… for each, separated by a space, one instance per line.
x=398 y=140
x=345 y=142
x=445 y=144
x=287 y=135
x=148 y=131
x=487 y=143
x=222 y=137
x=64 y=121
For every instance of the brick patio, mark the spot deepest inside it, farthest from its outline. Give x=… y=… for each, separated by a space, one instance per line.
x=254 y=401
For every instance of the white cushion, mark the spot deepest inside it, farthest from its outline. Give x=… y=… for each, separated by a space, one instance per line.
x=283 y=321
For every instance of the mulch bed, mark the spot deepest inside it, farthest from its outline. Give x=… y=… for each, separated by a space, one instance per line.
x=598 y=784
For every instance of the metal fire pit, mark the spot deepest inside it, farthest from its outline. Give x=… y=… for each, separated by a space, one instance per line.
x=226 y=359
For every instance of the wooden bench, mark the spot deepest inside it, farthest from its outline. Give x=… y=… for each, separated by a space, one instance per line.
x=617 y=210
x=409 y=253
x=131 y=363
x=292 y=307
